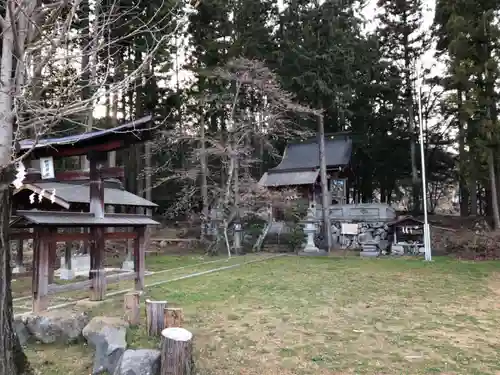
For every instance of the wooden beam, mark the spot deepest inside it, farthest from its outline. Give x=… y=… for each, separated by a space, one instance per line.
x=140 y=258
x=81 y=285
x=40 y=272
x=22 y=275
x=76 y=151
x=64 y=237
x=120 y=235
x=115 y=172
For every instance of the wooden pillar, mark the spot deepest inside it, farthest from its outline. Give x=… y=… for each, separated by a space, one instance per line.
x=96 y=185
x=52 y=246
x=19 y=257
x=97 y=273
x=140 y=258
x=40 y=274
x=68 y=252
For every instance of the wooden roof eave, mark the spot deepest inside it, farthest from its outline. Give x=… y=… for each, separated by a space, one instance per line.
x=123 y=136
x=46 y=194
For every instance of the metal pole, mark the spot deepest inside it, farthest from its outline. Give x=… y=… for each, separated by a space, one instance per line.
x=427 y=233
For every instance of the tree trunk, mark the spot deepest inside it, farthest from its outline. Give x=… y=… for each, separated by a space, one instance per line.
x=411 y=121
x=204 y=176
x=464 y=191
x=494 y=195
x=155 y=318
x=84 y=66
x=131 y=307
x=324 y=188
x=173 y=317
x=177 y=352
x=12 y=358
x=473 y=189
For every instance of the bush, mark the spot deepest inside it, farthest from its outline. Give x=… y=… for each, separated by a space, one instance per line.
x=294 y=214
x=467 y=244
x=253 y=226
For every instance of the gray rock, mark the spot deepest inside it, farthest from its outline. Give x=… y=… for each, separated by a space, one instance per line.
x=56 y=326
x=364 y=237
x=21 y=330
x=108 y=337
x=397 y=250
x=383 y=245
x=139 y=362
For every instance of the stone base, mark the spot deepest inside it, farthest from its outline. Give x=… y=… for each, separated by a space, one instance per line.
x=369 y=254
x=128 y=265
x=313 y=253
x=18 y=269
x=65 y=274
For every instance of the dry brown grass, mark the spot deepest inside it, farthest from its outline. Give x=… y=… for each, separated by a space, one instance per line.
x=337 y=316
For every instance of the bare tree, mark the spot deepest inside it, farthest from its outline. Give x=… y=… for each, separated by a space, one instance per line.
x=40 y=52
x=227 y=184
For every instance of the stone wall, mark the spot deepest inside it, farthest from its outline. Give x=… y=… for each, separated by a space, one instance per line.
x=377 y=232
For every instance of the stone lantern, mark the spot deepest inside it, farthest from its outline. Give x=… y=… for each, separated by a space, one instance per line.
x=310 y=230
x=238 y=229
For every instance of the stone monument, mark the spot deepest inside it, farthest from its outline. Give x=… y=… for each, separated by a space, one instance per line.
x=310 y=230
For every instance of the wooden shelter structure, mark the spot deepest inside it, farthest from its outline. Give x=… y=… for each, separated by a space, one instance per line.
x=45 y=225
x=406 y=229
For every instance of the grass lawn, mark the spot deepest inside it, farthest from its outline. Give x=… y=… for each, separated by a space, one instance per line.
x=21 y=287
x=327 y=316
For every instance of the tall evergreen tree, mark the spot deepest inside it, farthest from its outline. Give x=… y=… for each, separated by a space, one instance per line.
x=467 y=33
x=402 y=41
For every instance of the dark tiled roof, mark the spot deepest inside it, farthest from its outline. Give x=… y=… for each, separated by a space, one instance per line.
x=305 y=155
x=289 y=178
x=405 y=219
x=72 y=219
x=140 y=124
x=79 y=193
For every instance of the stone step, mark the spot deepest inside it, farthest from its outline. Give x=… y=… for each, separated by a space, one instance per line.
x=369 y=254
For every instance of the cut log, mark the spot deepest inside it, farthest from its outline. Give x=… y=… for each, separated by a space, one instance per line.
x=131 y=303
x=177 y=352
x=154 y=317
x=173 y=317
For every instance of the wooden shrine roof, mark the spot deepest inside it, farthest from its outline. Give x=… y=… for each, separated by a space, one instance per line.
x=405 y=220
x=77 y=219
x=81 y=144
x=305 y=155
x=79 y=192
x=300 y=162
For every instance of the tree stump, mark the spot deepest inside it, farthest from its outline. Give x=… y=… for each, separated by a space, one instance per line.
x=173 y=317
x=177 y=352
x=155 y=321
x=131 y=303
